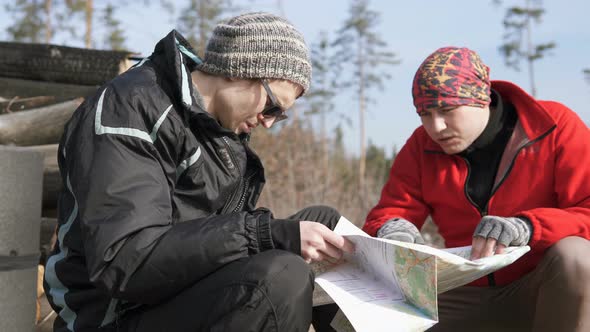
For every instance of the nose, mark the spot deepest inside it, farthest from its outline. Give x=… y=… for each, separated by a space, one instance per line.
x=265 y=122
x=438 y=122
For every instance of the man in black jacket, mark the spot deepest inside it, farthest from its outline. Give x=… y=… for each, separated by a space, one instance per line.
x=158 y=229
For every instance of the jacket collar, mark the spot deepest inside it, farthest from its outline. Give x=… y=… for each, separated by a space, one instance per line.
x=532 y=116
x=176 y=59
x=497 y=120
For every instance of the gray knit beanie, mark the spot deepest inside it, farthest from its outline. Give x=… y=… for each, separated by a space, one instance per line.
x=258 y=45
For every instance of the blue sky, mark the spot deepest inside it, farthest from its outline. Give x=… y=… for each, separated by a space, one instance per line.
x=413 y=29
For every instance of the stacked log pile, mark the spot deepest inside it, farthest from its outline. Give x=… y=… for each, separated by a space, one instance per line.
x=41 y=86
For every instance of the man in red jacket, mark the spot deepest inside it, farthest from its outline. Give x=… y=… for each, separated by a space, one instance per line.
x=494 y=167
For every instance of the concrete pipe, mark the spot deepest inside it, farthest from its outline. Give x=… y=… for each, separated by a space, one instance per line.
x=21 y=178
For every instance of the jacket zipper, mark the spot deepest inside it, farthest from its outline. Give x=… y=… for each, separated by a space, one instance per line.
x=484 y=212
x=514 y=159
x=491 y=278
x=248 y=177
x=244 y=191
x=238 y=185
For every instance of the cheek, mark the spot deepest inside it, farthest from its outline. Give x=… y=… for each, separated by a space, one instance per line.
x=428 y=126
x=459 y=124
x=475 y=124
x=259 y=106
x=253 y=107
x=246 y=110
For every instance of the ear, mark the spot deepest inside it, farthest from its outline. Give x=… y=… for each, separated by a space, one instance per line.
x=299 y=92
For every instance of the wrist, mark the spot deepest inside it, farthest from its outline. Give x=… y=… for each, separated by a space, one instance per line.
x=400 y=229
x=528 y=226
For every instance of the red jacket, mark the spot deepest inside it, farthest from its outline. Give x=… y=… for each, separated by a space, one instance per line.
x=544 y=175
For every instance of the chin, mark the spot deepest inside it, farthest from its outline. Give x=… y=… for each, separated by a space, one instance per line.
x=240 y=130
x=454 y=149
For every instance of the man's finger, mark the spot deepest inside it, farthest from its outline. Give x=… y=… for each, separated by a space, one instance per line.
x=489 y=247
x=337 y=241
x=500 y=249
x=318 y=257
x=477 y=247
x=348 y=246
x=331 y=251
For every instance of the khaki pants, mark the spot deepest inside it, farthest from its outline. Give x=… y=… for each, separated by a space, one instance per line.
x=554 y=297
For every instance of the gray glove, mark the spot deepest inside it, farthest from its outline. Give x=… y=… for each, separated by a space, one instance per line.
x=509 y=231
x=400 y=229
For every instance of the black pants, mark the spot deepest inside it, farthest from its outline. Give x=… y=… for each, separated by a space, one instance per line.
x=270 y=291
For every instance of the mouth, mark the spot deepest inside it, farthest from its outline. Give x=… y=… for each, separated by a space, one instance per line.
x=446 y=140
x=247 y=126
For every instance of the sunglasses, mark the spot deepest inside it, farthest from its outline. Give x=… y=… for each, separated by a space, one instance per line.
x=274 y=109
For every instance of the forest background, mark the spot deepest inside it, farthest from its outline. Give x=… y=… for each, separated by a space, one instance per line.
x=341 y=138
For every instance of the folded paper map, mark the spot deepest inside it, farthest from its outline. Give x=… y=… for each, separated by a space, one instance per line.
x=388 y=285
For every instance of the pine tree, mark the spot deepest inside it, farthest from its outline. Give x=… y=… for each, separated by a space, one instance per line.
x=41 y=20
x=320 y=100
x=30 y=21
x=89 y=12
x=115 y=38
x=370 y=54
x=518 y=43
x=199 y=18
x=377 y=163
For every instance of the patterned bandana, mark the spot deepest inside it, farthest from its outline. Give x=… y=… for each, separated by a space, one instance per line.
x=451 y=76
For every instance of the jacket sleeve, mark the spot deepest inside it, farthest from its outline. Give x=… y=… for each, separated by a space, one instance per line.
x=402 y=194
x=132 y=248
x=571 y=180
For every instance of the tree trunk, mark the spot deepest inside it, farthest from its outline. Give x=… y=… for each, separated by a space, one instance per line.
x=18 y=104
x=363 y=152
x=14 y=87
x=325 y=158
x=62 y=64
x=48 y=31
x=89 y=12
x=530 y=50
x=292 y=188
x=202 y=43
x=36 y=127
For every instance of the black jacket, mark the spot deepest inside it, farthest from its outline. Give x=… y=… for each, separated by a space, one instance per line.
x=157 y=194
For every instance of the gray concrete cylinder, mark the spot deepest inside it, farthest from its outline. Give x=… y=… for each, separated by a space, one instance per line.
x=21 y=179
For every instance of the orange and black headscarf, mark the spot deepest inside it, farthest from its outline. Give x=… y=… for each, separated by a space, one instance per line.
x=451 y=76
